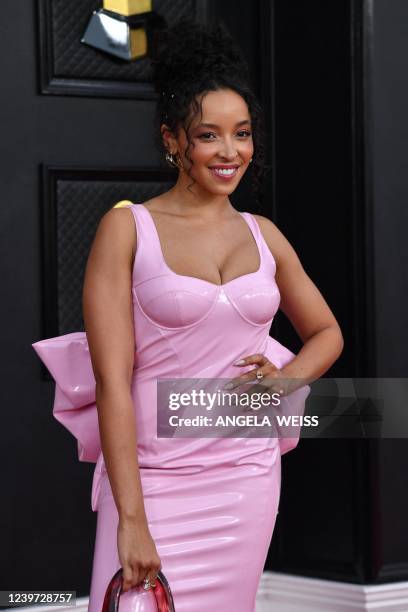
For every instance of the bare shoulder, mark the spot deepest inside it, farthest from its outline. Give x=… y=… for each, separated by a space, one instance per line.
x=118 y=225
x=278 y=244
x=116 y=232
x=117 y=219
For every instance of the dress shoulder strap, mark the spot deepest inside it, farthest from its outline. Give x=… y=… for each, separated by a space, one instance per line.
x=254 y=227
x=147 y=262
x=266 y=255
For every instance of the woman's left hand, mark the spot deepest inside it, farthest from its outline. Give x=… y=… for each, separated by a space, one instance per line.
x=265 y=373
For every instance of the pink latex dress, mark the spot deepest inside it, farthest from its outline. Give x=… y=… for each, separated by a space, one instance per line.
x=211 y=503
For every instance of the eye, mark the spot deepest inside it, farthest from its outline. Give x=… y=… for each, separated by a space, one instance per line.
x=241 y=134
x=206 y=134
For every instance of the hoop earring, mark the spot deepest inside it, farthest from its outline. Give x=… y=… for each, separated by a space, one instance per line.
x=174 y=160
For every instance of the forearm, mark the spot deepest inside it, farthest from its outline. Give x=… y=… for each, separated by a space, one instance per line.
x=316 y=356
x=117 y=425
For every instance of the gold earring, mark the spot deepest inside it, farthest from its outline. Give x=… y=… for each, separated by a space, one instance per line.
x=174 y=160
x=170 y=159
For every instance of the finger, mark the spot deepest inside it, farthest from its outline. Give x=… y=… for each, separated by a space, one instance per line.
x=157 y=572
x=239 y=380
x=152 y=576
x=251 y=359
x=266 y=369
x=127 y=576
x=146 y=583
x=143 y=574
x=271 y=380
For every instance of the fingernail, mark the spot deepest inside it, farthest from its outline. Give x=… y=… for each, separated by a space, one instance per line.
x=228 y=386
x=239 y=362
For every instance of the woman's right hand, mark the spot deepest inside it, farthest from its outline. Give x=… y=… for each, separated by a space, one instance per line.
x=137 y=553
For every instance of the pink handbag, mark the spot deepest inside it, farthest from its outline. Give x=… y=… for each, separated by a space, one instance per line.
x=137 y=599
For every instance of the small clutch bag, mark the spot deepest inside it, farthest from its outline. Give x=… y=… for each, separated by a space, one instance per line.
x=137 y=599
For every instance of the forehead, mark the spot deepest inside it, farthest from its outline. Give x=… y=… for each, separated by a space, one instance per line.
x=223 y=107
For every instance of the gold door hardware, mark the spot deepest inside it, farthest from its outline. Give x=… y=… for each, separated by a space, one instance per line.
x=128 y=7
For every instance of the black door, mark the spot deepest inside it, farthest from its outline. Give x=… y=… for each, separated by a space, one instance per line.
x=77 y=137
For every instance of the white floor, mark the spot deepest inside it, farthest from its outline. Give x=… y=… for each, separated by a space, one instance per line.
x=287 y=593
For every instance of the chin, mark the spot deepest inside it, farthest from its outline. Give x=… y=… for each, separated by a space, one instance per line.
x=221 y=188
x=226 y=190
x=215 y=188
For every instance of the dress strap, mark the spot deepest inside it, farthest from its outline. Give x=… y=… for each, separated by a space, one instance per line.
x=254 y=227
x=267 y=259
x=148 y=262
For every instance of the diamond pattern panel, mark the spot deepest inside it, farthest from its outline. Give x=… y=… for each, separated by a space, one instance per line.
x=73 y=59
x=79 y=206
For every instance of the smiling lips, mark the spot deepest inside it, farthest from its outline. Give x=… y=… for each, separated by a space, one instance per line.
x=224 y=171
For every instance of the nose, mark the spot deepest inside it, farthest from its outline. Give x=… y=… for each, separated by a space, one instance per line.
x=228 y=150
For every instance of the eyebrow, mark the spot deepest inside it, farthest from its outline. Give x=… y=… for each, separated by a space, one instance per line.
x=214 y=125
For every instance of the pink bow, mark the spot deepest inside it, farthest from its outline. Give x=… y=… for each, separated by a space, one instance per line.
x=68 y=360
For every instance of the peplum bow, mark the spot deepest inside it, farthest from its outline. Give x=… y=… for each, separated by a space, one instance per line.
x=68 y=360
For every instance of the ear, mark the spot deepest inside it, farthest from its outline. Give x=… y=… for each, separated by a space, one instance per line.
x=169 y=139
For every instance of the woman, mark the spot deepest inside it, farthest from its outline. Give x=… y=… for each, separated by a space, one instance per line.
x=183 y=285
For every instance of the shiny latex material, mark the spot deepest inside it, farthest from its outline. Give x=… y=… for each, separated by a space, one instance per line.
x=211 y=503
x=137 y=599
x=68 y=361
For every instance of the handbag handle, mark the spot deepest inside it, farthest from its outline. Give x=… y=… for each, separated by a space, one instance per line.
x=161 y=591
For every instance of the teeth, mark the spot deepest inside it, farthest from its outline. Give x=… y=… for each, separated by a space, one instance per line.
x=224 y=171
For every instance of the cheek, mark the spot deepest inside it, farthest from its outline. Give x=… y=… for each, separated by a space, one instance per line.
x=202 y=155
x=247 y=150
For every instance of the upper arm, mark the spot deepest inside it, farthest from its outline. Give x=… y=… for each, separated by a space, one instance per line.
x=301 y=301
x=107 y=297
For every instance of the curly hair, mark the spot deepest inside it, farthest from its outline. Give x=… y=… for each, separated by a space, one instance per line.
x=191 y=59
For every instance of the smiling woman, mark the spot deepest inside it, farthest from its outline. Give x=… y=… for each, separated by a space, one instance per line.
x=216 y=78
x=219 y=158
x=185 y=286
x=226 y=151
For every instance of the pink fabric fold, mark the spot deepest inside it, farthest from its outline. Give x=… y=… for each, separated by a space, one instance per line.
x=68 y=360
x=293 y=404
